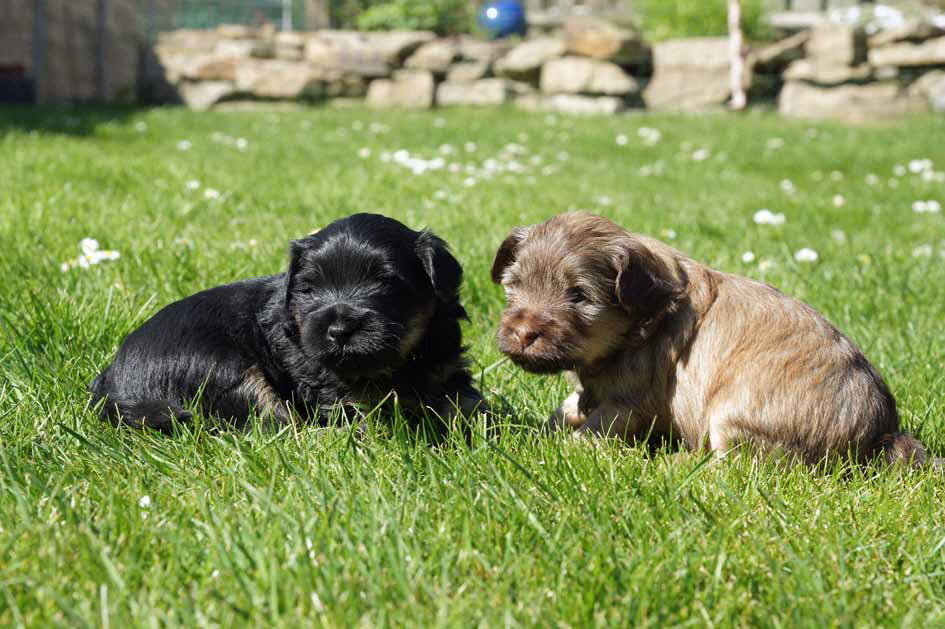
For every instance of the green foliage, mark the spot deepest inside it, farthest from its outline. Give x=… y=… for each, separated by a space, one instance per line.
x=662 y=19
x=315 y=528
x=445 y=17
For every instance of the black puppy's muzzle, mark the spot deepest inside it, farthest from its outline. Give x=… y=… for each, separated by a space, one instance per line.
x=343 y=321
x=351 y=338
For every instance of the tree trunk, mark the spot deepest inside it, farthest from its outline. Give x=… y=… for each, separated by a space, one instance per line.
x=736 y=41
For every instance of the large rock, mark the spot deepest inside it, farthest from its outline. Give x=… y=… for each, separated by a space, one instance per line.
x=931 y=86
x=290 y=45
x=478 y=93
x=396 y=46
x=691 y=74
x=849 y=103
x=572 y=104
x=467 y=71
x=278 y=79
x=599 y=39
x=213 y=69
x=187 y=40
x=237 y=31
x=837 y=44
x=472 y=49
x=525 y=60
x=202 y=95
x=436 y=56
x=774 y=58
x=814 y=71
x=929 y=53
x=912 y=32
x=412 y=89
x=365 y=54
x=244 y=48
x=581 y=75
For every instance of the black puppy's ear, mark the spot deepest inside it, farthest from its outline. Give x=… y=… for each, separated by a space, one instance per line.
x=646 y=283
x=296 y=249
x=506 y=253
x=442 y=267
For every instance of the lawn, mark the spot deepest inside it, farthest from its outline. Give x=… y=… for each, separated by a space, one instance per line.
x=115 y=528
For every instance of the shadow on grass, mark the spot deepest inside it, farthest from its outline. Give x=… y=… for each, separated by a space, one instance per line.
x=71 y=121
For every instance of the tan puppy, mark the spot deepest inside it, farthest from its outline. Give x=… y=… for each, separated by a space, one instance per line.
x=662 y=344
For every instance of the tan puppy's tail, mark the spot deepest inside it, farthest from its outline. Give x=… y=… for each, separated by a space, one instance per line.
x=901 y=447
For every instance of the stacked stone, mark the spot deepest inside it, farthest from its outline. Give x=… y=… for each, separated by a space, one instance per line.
x=593 y=66
x=589 y=69
x=847 y=75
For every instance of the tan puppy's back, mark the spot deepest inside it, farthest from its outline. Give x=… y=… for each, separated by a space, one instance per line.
x=768 y=368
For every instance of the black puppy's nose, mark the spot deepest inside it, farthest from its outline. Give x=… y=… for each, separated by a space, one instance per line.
x=344 y=324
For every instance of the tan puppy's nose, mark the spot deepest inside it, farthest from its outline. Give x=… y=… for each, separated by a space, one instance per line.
x=526 y=336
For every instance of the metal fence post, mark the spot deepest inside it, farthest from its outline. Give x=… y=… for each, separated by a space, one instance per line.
x=39 y=47
x=100 y=44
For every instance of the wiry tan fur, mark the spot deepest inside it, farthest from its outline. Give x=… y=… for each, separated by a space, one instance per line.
x=662 y=344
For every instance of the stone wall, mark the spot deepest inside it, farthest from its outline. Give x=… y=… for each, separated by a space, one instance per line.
x=591 y=67
x=830 y=71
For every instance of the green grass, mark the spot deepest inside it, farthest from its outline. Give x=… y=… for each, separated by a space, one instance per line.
x=314 y=527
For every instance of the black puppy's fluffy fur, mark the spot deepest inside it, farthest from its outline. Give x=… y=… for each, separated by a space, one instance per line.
x=367 y=307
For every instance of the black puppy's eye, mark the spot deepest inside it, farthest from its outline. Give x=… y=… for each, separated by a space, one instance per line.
x=576 y=295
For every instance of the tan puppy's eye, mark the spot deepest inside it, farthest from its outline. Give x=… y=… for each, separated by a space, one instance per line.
x=576 y=295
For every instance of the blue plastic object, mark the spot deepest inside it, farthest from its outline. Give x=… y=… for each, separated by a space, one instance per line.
x=503 y=18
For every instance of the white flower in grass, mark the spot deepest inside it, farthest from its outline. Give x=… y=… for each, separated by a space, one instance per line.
x=141 y=126
x=700 y=155
x=649 y=135
x=211 y=194
x=193 y=184
x=563 y=156
x=470 y=147
x=806 y=255
x=839 y=200
x=933 y=176
x=922 y=251
x=917 y=166
x=773 y=144
x=872 y=179
x=88 y=246
x=144 y=502
x=930 y=207
x=469 y=182
x=364 y=153
x=836 y=176
x=604 y=200
x=622 y=139
x=767 y=217
x=184 y=145
x=242 y=144
x=447 y=149
x=748 y=257
x=766 y=265
x=899 y=170
x=838 y=235
x=668 y=234
x=788 y=186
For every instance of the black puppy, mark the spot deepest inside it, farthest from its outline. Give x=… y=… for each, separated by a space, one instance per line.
x=367 y=307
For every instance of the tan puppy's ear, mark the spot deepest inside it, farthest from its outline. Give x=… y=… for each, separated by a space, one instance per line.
x=506 y=253
x=646 y=284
